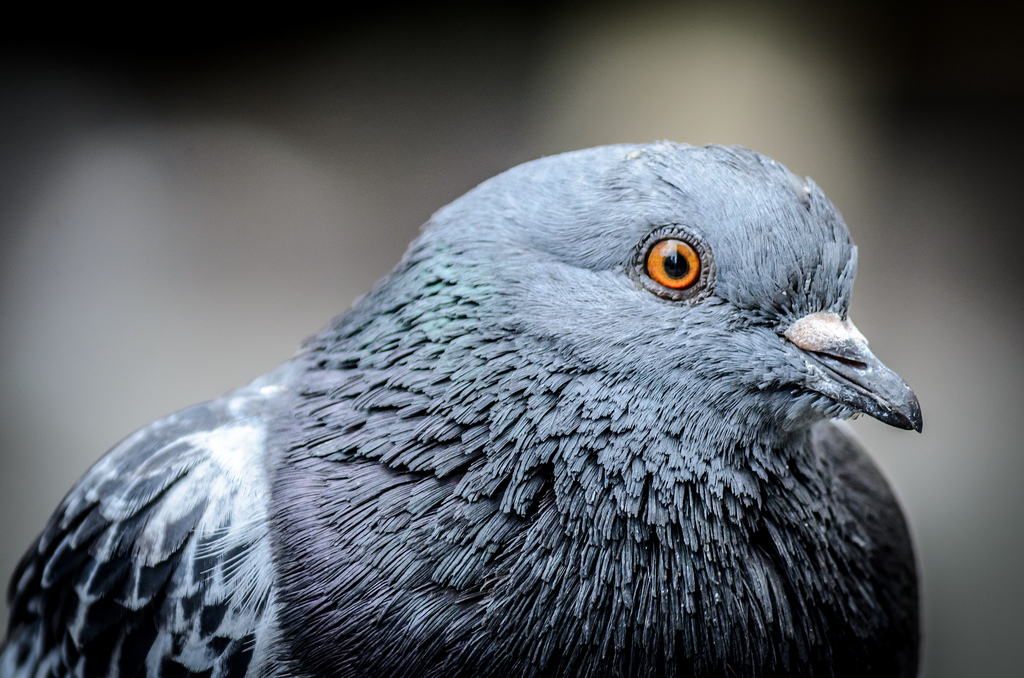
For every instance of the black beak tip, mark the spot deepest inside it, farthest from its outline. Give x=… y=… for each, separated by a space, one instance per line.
x=907 y=416
x=917 y=422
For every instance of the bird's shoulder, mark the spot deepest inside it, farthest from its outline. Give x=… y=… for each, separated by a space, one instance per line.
x=866 y=489
x=883 y=534
x=158 y=562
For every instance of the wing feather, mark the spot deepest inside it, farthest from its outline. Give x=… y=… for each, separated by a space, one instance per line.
x=158 y=562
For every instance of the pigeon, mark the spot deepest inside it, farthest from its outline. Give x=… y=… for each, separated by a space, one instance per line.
x=590 y=425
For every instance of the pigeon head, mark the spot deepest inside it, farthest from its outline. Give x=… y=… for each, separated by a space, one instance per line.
x=711 y=279
x=587 y=394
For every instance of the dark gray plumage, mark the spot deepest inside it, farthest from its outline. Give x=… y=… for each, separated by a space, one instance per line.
x=520 y=455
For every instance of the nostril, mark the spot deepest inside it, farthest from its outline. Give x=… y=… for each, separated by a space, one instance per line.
x=850 y=362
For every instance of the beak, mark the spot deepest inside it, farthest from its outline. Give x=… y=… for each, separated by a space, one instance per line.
x=842 y=367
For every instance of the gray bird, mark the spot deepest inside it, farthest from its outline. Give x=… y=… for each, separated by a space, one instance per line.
x=584 y=428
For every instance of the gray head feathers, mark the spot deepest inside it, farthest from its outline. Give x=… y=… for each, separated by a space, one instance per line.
x=599 y=474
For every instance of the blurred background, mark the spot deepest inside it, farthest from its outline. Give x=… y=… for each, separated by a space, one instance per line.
x=183 y=202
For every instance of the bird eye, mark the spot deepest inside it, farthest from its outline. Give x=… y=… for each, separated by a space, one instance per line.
x=673 y=263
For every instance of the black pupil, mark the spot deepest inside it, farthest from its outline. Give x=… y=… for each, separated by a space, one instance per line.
x=676 y=265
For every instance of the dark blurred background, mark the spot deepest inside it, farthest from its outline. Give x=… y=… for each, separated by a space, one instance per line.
x=182 y=201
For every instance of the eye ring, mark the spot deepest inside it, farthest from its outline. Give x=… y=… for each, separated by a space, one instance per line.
x=673 y=283
x=673 y=263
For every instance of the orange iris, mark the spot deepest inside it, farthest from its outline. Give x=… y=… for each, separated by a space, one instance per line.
x=673 y=263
